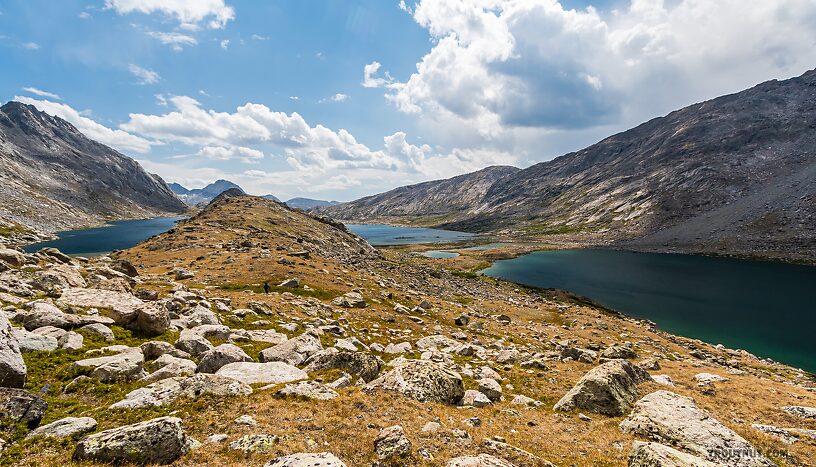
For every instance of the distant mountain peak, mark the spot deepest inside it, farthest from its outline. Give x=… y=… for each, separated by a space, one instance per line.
x=204 y=195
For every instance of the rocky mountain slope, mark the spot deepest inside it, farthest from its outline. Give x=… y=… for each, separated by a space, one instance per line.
x=204 y=195
x=52 y=177
x=172 y=353
x=309 y=203
x=736 y=174
x=435 y=202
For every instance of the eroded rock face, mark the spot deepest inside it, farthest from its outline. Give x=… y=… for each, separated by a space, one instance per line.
x=13 y=371
x=658 y=455
x=303 y=459
x=170 y=389
x=69 y=427
x=482 y=460
x=269 y=373
x=21 y=406
x=422 y=380
x=295 y=351
x=360 y=364
x=609 y=389
x=676 y=420
x=158 y=441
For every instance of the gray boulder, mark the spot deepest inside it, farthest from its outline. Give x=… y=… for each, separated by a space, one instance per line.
x=676 y=420
x=801 y=412
x=13 y=371
x=158 y=441
x=360 y=364
x=658 y=455
x=608 y=389
x=422 y=380
x=475 y=398
x=128 y=364
x=101 y=330
x=12 y=257
x=155 y=349
x=168 y=366
x=303 y=459
x=21 y=406
x=268 y=373
x=350 y=300
x=213 y=360
x=295 y=351
x=193 y=344
x=151 y=319
x=391 y=444
x=123 y=305
x=490 y=388
x=69 y=427
x=33 y=342
x=169 y=390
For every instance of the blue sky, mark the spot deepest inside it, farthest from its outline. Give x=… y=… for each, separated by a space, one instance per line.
x=340 y=99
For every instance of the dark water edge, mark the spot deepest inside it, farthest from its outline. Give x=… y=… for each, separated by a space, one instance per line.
x=764 y=307
x=116 y=235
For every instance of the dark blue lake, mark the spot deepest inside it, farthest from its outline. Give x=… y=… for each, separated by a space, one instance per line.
x=382 y=235
x=766 y=308
x=117 y=235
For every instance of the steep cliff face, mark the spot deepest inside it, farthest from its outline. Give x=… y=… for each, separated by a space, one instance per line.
x=52 y=177
x=433 y=202
x=733 y=174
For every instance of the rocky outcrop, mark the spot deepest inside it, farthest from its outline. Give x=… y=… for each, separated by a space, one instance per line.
x=482 y=460
x=676 y=420
x=158 y=441
x=303 y=459
x=127 y=364
x=295 y=351
x=308 y=390
x=212 y=360
x=608 y=389
x=13 y=370
x=422 y=380
x=391 y=444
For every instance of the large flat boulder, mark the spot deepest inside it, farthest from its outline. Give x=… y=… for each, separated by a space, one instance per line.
x=123 y=306
x=224 y=354
x=609 y=389
x=128 y=364
x=69 y=427
x=13 y=371
x=169 y=390
x=422 y=380
x=675 y=420
x=158 y=441
x=267 y=373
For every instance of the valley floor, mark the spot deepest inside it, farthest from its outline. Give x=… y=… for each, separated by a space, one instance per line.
x=535 y=344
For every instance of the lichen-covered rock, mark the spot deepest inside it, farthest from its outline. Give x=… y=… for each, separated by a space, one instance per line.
x=21 y=406
x=350 y=300
x=100 y=329
x=194 y=344
x=295 y=351
x=658 y=455
x=269 y=373
x=170 y=389
x=158 y=441
x=304 y=459
x=13 y=371
x=475 y=398
x=224 y=354
x=609 y=389
x=255 y=443
x=359 y=364
x=391 y=443
x=490 y=388
x=482 y=460
x=422 y=380
x=151 y=319
x=69 y=427
x=123 y=306
x=33 y=342
x=676 y=420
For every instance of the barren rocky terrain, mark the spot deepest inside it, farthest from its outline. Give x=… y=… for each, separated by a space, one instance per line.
x=173 y=353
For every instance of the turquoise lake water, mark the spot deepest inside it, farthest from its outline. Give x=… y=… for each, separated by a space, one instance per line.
x=438 y=254
x=766 y=308
x=118 y=235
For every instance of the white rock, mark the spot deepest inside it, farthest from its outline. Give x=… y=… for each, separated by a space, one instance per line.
x=268 y=373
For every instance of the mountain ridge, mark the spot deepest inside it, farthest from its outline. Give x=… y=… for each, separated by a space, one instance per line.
x=658 y=186
x=56 y=178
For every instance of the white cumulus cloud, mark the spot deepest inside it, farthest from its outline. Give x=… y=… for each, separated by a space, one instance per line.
x=176 y=40
x=189 y=13
x=144 y=75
